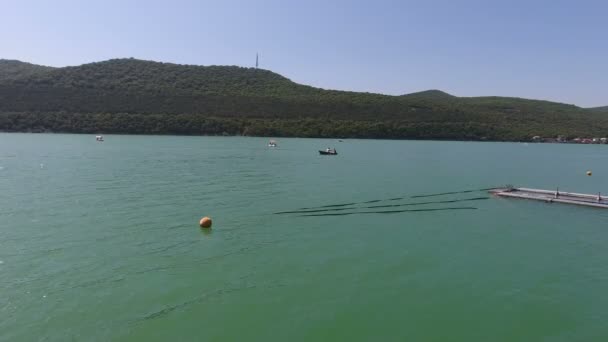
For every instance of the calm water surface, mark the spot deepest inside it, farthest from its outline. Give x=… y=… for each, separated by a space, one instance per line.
x=99 y=241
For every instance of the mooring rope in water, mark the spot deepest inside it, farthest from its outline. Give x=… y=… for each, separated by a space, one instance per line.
x=452 y=193
x=432 y=202
x=314 y=210
x=380 y=206
x=389 y=211
x=353 y=203
x=397 y=198
x=332 y=205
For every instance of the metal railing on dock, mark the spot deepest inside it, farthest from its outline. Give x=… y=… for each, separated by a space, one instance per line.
x=556 y=196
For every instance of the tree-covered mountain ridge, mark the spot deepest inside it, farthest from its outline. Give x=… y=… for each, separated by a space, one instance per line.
x=136 y=96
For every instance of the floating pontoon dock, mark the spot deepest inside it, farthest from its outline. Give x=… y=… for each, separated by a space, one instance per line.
x=556 y=196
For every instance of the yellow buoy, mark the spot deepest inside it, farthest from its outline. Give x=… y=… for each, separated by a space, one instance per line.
x=205 y=222
x=589 y=173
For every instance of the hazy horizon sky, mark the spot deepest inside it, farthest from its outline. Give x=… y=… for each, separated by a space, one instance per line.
x=551 y=50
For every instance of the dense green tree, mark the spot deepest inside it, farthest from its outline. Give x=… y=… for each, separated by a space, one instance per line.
x=142 y=97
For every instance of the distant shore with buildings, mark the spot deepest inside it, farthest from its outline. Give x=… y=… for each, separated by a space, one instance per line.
x=563 y=140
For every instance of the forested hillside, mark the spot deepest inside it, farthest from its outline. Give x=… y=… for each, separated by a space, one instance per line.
x=143 y=97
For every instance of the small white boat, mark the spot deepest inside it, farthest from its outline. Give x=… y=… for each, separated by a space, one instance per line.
x=328 y=152
x=99 y=137
x=272 y=143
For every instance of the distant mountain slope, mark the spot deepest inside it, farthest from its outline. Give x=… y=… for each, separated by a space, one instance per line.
x=600 y=109
x=430 y=94
x=11 y=69
x=145 y=76
x=135 y=96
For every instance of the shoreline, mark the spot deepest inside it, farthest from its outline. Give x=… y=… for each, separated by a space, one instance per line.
x=298 y=137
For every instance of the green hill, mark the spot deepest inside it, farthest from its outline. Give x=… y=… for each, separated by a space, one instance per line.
x=144 y=97
x=432 y=94
x=11 y=69
x=600 y=109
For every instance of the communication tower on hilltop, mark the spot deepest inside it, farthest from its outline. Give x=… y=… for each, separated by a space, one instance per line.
x=257 y=58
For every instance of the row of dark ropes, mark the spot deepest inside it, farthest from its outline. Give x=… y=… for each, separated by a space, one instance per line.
x=363 y=208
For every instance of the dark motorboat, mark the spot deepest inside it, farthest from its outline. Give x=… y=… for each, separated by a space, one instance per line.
x=328 y=152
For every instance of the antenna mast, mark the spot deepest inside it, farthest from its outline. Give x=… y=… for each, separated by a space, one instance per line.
x=256 y=60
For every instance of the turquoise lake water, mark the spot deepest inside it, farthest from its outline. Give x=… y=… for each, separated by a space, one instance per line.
x=100 y=241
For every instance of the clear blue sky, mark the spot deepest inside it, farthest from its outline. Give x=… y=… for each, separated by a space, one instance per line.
x=547 y=49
